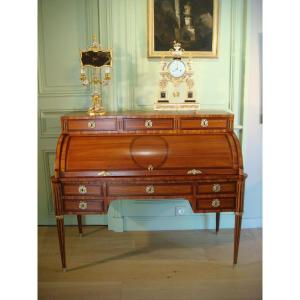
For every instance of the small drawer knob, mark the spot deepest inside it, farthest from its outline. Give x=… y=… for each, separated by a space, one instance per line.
x=91 y=124
x=150 y=189
x=204 y=123
x=216 y=188
x=150 y=168
x=82 y=189
x=83 y=205
x=148 y=123
x=215 y=203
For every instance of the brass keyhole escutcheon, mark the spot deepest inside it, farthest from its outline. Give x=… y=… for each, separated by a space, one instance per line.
x=150 y=189
x=91 y=124
x=150 y=168
x=216 y=188
x=83 y=205
x=204 y=123
x=215 y=203
x=82 y=189
x=148 y=123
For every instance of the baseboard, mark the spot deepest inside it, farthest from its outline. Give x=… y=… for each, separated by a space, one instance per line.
x=205 y=221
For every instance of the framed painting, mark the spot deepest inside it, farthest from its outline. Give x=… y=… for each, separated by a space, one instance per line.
x=193 y=23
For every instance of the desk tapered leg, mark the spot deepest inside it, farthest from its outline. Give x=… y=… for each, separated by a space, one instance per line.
x=237 y=233
x=217 y=222
x=61 y=239
x=79 y=222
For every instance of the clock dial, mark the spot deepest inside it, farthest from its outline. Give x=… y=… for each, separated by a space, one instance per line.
x=177 y=68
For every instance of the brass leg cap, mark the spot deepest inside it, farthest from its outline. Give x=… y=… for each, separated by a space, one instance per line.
x=64 y=269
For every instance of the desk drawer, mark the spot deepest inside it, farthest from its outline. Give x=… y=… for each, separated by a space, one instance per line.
x=216 y=203
x=103 y=124
x=148 y=124
x=149 y=190
x=217 y=187
x=83 y=205
x=203 y=123
x=82 y=189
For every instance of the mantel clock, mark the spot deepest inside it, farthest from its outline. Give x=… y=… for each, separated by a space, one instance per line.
x=176 y=84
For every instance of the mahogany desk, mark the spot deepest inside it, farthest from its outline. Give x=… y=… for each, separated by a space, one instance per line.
x=148 y=155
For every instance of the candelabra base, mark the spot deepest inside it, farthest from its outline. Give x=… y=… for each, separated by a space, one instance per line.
x=98 y=112
x=96 y=109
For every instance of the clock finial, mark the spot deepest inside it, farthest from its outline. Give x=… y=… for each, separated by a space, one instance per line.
x=177 y=51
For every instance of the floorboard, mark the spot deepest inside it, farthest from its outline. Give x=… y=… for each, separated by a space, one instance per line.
x=161 y=265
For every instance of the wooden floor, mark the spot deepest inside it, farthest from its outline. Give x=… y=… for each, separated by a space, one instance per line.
x=175 y=265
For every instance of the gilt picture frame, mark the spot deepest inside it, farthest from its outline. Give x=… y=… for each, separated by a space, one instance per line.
x=193 y=23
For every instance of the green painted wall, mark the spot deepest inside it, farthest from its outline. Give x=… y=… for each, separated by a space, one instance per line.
x=65 y=27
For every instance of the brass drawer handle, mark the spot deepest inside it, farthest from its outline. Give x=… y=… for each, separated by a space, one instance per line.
x=83 y=205
x=215 y=203
x=148 y=123
x=150 y=189
x=204 y=123
x=82 y=189
x=216 y=188
x=194 y=172
x=91 y=124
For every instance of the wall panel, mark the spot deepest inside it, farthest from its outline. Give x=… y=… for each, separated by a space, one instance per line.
x=65 y=26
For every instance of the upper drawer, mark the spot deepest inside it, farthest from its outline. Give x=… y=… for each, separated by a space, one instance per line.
x=148 y=124
x=82 y=189
x=103 y=124
x=203 y=123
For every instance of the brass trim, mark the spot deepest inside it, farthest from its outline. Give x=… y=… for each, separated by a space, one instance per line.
x=204 y=123
x=148 y=123
x=194 y=172
x=83 y=205
x=238 y=213
x=91 y=124
x=216 y=188
x=59 y=217
x=150 y=189
x=104 y=173
x=150 y=168
x=215 y=203
x=82 y=189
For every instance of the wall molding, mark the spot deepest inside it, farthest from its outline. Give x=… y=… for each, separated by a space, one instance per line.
x=50 y=132
x=86 y=9
x=47 y=176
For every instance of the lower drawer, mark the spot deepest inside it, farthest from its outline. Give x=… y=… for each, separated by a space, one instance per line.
x=149 y=189
x=83 y=205
x=216 y=203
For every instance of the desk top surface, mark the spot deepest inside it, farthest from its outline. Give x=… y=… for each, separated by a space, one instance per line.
x=201 y=113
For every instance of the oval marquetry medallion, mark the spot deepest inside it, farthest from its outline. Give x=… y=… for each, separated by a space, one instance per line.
x=149 y=150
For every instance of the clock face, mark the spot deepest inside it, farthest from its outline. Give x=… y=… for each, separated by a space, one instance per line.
x=177 y=68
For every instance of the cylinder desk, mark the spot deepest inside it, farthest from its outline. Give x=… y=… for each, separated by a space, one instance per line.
x=148 y=155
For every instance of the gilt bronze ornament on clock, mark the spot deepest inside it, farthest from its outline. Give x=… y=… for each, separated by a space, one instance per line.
x=100 y=61
x=176 y=86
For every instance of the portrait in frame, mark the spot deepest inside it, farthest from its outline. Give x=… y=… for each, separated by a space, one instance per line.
x=193 y=23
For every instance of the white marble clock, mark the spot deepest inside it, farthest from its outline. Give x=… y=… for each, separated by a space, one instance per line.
x=176 y=84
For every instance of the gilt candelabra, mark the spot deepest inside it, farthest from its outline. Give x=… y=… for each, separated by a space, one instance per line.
x=99 y=61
